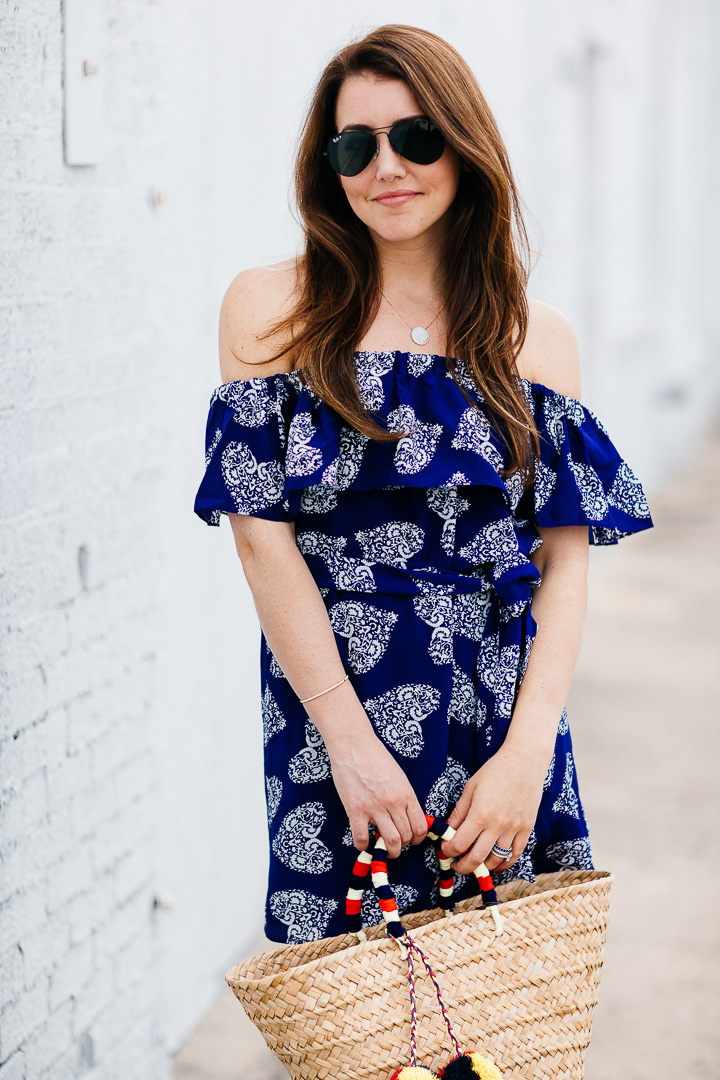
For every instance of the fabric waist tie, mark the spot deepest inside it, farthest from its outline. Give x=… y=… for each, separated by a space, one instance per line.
x=414 y=580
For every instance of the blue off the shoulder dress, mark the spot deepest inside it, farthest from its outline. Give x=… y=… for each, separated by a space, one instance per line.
x=420 y=551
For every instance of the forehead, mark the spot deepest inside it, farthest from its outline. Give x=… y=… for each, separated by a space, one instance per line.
x=373 y=101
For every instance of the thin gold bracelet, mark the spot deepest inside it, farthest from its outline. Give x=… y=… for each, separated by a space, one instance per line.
x=303 y=700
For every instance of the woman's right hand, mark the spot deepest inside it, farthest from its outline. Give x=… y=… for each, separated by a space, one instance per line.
x=373 y=787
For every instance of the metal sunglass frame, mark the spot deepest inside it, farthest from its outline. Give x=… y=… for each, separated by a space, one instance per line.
x=389 y=130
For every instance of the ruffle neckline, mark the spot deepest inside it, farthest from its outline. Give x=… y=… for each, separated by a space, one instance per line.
x=293 y=375
x=450 y=442
x=269 y=438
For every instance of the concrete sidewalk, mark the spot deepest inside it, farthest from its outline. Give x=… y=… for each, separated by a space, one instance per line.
x=644 y=716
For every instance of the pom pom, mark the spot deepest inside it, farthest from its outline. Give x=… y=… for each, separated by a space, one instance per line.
x=468 y=1066
x=460 y=1068
x=413 y=1072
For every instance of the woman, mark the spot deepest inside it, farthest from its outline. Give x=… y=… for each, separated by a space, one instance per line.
x=410 y=522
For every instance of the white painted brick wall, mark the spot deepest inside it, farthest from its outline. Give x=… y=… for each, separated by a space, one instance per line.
x=130 y=738
x=82 y=366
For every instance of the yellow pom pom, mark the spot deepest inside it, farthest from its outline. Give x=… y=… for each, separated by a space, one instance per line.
x=484 y=1068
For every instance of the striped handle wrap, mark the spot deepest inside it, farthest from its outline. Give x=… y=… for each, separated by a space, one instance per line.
x=375 y=863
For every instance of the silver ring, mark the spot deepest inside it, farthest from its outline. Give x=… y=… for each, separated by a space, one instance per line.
x=501 y=852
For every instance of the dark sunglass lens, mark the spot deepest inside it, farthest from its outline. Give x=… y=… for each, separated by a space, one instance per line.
x=420 y=141
x=350 y=151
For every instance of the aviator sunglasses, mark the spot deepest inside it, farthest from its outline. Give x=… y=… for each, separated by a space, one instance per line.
x=418 y=140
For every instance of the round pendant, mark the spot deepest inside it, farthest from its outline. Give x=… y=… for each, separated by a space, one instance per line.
x=419 y=335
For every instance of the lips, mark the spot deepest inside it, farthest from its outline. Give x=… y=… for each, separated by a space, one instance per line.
x=393 y=197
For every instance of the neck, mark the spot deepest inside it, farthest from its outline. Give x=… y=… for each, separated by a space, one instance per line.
x=411 y=270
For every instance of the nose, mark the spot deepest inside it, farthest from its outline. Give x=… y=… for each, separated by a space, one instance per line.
x=388 y=162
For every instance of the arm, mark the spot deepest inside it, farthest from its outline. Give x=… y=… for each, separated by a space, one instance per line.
x=292 y=613
x=370 y=783
x=500 y=802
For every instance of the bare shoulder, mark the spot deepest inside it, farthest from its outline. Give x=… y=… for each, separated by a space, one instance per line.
x=550 y=352
x=254 y=300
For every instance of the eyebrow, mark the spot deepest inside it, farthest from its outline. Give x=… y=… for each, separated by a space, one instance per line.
x=366 y=127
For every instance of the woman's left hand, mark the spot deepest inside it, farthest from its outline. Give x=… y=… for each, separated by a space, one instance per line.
x=499 y=804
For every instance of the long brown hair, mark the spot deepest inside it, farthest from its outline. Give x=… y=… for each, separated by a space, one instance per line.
x=485 y=255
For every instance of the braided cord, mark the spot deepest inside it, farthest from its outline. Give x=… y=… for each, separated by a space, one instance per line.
x=413 y=1006
x=411 y=945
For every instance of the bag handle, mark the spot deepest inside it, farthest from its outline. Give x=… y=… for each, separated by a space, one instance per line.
x=375 y=863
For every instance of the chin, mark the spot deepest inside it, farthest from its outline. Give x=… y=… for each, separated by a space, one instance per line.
x=400 y=230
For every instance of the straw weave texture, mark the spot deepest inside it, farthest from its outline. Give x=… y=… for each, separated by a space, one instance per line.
x=341 y=1008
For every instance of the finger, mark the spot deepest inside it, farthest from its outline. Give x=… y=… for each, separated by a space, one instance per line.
x=418 y=823
x=477 y=854
x=402 y=822
x=464 y=838
x=494 y=862
x=460 y=810
x=360 y=834
x=389 y=833
x=518 y=845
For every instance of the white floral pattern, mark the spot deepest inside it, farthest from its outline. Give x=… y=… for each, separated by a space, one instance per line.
x=550 y=773
x=544 y=485
x=498 y=670
x=213 y=445
x=305 y=914
x=471 y=611
x=436 y=609
x=463 y=700
x=393 y=543
x=447 y=789
x=296 y=843
x=275 y=670
x=627 y=494
x=515 y=485
x=252 y=485
x=448 y=504
x=374 y=367
x=274 y=719
x=567 y=801
x=592 y=493
x=416 y=449
x=495 y=542
x=367 y=629
x=473 y=433
x=398 y=715
x=344 y=469
x=273 y=794
x=318 y=499
x=572 y=854
x=347 y=573
x=311 y=764
x=251 y=402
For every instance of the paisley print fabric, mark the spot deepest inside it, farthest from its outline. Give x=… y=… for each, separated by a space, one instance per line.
x=420 y=550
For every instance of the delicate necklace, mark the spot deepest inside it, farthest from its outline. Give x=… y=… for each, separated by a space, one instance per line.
x=419 y=334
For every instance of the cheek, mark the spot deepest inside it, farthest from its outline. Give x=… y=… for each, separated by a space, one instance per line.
x=355 y=191
x=446 y=175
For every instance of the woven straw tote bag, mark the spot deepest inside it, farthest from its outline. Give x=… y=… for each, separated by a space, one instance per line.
x=518 y=969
